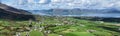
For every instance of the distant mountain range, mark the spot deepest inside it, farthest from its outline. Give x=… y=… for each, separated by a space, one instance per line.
x=79 y=12
x=8 y=12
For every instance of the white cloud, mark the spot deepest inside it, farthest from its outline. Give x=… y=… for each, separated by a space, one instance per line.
x=55 y=1
x=30 y=1
x=42 y=1
x=93 y=4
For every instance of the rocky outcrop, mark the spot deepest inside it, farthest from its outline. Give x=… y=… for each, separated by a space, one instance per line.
x=8 y=12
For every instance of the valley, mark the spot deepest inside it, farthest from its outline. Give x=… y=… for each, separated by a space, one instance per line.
x=58 y=26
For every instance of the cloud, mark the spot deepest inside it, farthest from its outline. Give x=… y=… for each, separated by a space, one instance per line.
x=55 y=1
x=87 y=4
x=42 y=1
x=30 y=1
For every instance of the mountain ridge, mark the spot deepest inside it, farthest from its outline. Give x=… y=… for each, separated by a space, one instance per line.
x=76 y=11
x=8 y=12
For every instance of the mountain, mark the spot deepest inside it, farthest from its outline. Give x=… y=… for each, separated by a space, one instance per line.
x=79 y=12
x=8 y=12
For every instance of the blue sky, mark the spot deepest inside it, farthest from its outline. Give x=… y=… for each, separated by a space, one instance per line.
x=63 y=4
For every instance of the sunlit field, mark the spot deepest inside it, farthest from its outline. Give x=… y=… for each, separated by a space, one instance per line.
x=59 y=17
x=58 y=26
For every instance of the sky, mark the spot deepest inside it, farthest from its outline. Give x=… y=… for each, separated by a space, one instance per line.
x=62 y=4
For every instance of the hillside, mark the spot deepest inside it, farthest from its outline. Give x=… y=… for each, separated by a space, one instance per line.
x=8 y=12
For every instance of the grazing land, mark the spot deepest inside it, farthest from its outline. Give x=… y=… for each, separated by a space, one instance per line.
x=57 y=26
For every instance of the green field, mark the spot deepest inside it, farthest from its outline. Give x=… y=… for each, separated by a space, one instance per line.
x=61 y=26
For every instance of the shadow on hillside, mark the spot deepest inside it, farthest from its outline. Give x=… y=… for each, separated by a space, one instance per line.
x=109 y=28
x=114 y=20
x=17 y=18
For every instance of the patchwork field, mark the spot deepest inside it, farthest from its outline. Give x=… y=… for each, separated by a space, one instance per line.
x=57 y=26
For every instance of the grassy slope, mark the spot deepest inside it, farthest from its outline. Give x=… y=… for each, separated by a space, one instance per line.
x=69 y=27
